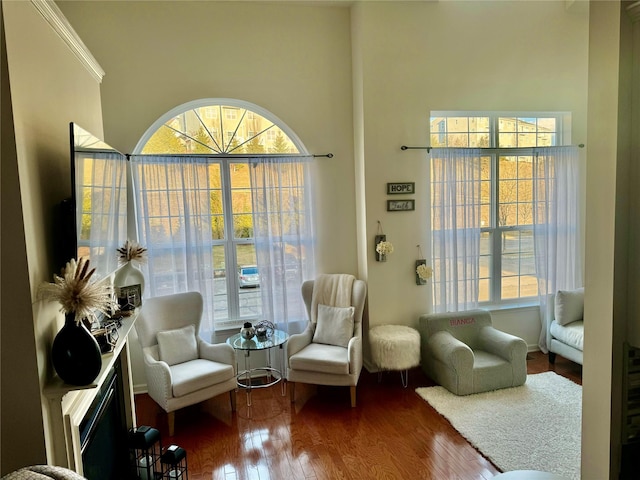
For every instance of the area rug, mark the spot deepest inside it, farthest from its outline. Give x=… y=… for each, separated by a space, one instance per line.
x=533 y=427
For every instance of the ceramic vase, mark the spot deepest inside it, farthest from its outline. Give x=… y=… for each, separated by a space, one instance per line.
x=128 y=275
x=75 y=353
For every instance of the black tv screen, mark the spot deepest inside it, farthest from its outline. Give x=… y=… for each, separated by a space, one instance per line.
x=96 y=212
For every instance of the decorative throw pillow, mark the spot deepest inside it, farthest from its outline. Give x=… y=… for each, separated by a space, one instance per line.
x=179 y=345
x=334 y=325
x=569 y=306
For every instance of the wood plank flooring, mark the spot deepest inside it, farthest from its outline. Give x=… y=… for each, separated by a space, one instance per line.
x=391 y=434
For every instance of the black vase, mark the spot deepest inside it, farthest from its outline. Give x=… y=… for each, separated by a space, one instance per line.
x=75 y=353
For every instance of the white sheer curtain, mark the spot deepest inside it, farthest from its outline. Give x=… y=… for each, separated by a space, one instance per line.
x=284 y=236
x=556 y=230
x=101 y=179
x=455 y=224
x=173 y=207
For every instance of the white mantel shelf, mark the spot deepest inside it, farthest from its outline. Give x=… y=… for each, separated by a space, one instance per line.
x=68 y=404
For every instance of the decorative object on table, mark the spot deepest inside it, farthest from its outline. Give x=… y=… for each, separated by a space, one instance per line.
x=264 y=330
x=400 y=188
x=145 y=449
x=423 y=271
x=247 y=331
x=129 y=280
x=174 y=463
x=106 y=338
x=401 y=205
x=75 y=352
x=383 y=248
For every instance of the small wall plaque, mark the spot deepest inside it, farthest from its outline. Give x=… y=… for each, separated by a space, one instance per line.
x=401 y=205
x=401 y=188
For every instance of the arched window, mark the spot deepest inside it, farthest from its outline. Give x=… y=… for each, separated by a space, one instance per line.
x=219 y=127
x=203 y=173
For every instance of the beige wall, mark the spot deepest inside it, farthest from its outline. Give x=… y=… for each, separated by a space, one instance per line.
x=48 y=89
x=296 y=61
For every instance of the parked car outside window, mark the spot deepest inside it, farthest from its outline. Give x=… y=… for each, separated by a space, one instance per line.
x=248 y=276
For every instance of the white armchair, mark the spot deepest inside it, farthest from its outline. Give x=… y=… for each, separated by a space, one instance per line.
x=329 y=351
x=181 y=368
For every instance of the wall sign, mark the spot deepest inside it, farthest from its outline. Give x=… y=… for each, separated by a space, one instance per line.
x=401 y=205
x=401 y=188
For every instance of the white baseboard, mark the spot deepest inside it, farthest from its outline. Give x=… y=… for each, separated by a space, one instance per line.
x=138 y=389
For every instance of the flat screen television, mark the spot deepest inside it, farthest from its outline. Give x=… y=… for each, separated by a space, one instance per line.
x=94 y=218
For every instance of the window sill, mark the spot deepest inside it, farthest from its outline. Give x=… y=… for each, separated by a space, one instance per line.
x=530 y=305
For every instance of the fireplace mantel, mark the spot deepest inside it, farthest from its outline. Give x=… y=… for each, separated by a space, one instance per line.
x=68 y=404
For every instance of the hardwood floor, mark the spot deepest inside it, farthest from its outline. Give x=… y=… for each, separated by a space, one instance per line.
x=391 y=434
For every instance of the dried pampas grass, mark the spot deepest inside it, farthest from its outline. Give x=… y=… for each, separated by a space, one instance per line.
x=73 y=289
x=132 y=252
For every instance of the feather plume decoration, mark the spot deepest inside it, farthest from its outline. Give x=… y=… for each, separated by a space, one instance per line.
x=132 y=252
x=76 y=293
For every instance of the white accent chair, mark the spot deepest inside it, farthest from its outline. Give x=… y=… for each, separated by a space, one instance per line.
x=181 y=368
x=327 y=364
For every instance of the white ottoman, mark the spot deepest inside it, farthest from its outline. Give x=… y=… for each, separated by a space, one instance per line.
x=395 y=347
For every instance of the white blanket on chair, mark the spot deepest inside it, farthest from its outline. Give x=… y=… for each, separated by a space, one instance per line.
x=331 y=289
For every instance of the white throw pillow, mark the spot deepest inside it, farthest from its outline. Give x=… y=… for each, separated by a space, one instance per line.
x=334 y=325
x=179 y=345
x=569 y=306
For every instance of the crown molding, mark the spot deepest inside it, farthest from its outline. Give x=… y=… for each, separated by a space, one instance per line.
x=56 y=19
x=634 y=11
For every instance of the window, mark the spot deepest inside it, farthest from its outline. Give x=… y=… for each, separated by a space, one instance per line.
x=228 y=193
x=210 y=112
x=507 y=265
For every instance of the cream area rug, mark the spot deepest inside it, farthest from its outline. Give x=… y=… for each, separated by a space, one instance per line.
x=533 y=427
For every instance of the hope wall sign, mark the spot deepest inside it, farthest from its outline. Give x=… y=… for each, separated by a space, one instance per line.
x=401 y=188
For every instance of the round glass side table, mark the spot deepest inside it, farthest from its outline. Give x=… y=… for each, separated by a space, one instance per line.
x=274 y=374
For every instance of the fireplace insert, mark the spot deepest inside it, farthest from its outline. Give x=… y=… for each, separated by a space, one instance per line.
x=103 y=432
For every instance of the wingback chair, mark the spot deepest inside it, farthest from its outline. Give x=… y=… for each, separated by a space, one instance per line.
x=329 y=351
x=464 y=353
x=182 y=369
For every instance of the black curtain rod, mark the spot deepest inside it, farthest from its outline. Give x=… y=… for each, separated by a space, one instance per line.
x=428 y=149
x=292 y=155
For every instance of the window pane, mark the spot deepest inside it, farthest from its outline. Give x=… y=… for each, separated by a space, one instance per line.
x=250 y=301
x=507 y=140
x=524 y=214
x=518 y=265
x=547 y=124
x=480 y=140
x=527 y=139
x=507 y=124
x=510 y=287
x=525 y=167
x=220 y=301
x=485 y=267
x=508 y=167
x=546 y=139
x=457 y=124
x=479 y=124
x=458 y=140
x=438 y=140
